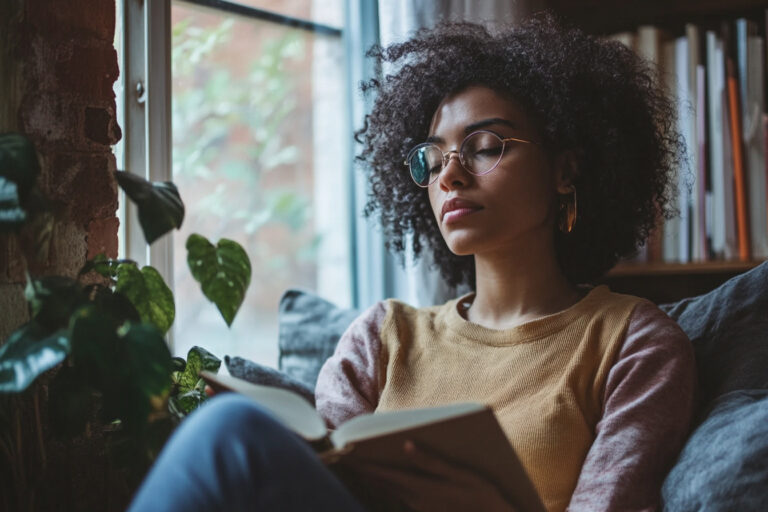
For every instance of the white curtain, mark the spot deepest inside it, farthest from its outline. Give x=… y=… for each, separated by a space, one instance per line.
x=417 y=283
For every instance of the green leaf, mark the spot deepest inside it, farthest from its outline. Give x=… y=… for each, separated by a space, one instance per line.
x=103 y=266
x=95 y=347
x=145 y=363
x=147 y=359
x=223 y=271
x=53 y=299
x=18 y=162
x=197 y=359
x=188 y=401
x=28 y=352
x=12 y=215
x=160 y=206
x=115 y=305
x=148 y=293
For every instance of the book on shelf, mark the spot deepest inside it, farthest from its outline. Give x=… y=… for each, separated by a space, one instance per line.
x=753 y=108
x=717 y=74
x=466 y=433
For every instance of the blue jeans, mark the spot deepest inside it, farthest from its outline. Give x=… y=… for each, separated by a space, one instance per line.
x=232 y=455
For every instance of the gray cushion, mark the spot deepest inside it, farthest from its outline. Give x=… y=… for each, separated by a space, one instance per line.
x=724 y=465
x=309 y=329
x=729 y=331
x=266 y=376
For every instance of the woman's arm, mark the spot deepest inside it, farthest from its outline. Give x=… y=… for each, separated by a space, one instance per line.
x=649 y=399
x=349 y=382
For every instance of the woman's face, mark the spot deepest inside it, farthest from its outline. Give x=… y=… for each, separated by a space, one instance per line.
x=511 y=208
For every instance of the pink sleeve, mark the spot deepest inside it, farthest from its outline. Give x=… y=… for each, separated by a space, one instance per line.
x=348 y=384
x=649 y=398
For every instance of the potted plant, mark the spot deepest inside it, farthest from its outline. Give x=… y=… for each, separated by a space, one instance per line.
x=92 y=363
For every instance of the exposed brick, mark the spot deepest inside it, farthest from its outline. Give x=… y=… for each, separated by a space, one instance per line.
x=13 y=309
x=11 y=260
x=85 y=183
x=68 y=249
x=88 y=71
x=49 y=117
x=102 y=237
x=100 y=126
x=73 y=18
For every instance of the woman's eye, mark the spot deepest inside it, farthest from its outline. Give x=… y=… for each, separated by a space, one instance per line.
x=489 y=151
x=435 y=169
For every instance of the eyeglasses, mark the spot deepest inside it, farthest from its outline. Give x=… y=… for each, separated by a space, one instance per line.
x=480 y=152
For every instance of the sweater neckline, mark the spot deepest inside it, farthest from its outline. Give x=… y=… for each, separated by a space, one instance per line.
x=525 y=332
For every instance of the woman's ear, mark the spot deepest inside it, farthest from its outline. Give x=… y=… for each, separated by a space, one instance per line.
x=566 y=172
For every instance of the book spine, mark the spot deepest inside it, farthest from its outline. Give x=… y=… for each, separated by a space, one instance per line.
x=740 y=182
x=754 y=145
x=715 y=83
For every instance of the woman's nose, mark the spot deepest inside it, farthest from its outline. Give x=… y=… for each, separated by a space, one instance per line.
x=453 y=174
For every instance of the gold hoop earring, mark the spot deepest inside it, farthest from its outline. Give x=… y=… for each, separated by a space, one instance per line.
x=568 y=212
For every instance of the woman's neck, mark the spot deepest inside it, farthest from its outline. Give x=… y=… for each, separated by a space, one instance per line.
x=514 y=288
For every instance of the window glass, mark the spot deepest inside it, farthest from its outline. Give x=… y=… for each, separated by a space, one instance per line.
x=259 y=138
x=327 y=12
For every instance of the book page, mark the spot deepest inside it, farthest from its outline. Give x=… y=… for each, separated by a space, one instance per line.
x=376 y=424
x=289 y=408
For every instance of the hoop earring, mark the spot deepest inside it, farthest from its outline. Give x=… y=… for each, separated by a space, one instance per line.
x=568 y=212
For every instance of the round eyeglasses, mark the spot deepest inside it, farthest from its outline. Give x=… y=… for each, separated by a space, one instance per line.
x=480 y=152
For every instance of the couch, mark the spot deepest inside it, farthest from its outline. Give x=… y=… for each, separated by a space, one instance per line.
x=724 y=463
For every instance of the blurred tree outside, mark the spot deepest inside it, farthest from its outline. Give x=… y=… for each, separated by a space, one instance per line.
x=242 y=159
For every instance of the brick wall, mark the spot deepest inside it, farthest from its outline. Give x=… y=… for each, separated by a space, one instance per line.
x=58 y=66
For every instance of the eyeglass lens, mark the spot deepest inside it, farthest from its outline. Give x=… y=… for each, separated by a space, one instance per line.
x=479 y=154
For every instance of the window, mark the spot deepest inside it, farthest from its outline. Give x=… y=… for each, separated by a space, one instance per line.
x=260 y=145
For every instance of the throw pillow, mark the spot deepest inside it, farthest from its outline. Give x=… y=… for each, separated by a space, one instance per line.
x=266 y=376
x=729 y=331
x=309 y=329
x=724 y=465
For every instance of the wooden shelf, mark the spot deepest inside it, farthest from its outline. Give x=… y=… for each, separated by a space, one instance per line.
x=606 y=17
x=668 y=282
x=657 y=269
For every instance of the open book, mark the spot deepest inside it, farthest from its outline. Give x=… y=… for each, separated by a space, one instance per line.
x=466 y=433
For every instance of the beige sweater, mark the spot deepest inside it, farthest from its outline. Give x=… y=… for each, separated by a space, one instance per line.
x=585 y=395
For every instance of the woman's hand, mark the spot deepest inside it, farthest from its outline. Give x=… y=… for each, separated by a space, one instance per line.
x=435 y=484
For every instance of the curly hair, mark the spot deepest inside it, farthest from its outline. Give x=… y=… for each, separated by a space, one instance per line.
x=592 y=97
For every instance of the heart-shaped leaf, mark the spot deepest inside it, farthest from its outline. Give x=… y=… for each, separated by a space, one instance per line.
x=223 y=271
x=159 y=204
x=147 y=363
x=28 y=352
x=148 y=293
x=198 y=359
x=18 y=162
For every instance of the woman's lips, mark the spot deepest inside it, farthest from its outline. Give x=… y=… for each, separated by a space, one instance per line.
x=456 y=208
x=454 y=215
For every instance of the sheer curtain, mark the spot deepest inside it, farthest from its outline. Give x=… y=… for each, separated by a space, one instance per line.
x=378 y=274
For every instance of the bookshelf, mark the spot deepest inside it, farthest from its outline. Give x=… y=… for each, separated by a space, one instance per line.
x=657 y=280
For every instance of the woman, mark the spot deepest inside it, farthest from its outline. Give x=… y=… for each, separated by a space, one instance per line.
x=534 y=159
